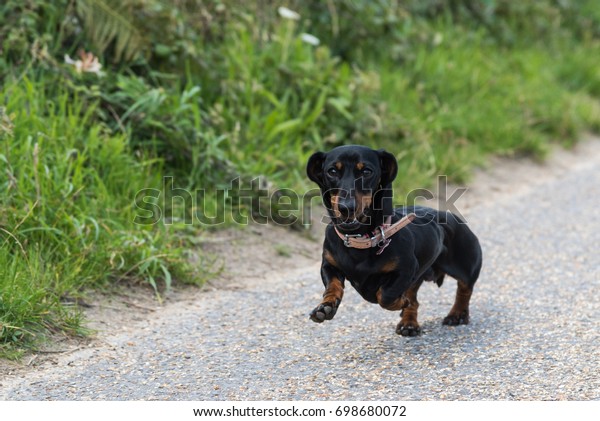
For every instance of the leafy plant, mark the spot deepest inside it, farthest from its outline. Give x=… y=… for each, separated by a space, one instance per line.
x=67 y=219
x=113 y=22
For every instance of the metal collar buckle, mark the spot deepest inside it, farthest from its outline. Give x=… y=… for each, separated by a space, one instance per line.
x=383 y=240
x=347 y=238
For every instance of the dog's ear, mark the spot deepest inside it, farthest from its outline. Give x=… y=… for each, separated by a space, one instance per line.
x=389 y=170
x=389 y=167
x=314 y=167
x=316 y=172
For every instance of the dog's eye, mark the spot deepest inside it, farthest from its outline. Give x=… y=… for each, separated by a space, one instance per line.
x=332 y=172
x=367 y=172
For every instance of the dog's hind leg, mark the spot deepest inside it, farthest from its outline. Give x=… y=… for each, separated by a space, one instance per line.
x=409 y=326
x=462 y=261
x=459 y=314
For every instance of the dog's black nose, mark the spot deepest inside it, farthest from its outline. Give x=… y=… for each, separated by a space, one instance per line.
x=347 y=207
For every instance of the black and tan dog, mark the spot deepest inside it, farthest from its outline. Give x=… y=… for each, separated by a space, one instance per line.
x=387 y=253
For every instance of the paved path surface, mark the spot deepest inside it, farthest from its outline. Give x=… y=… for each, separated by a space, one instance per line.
x=534 y=332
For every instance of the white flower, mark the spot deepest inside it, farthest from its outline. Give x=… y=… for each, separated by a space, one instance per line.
x=88 y=63
x=310 y=39
x=77 y=63
x=286 y=13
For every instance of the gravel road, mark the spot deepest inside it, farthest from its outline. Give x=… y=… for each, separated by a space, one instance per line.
x=534 y=332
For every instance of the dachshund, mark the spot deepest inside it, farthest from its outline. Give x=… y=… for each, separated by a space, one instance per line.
x=384 y=252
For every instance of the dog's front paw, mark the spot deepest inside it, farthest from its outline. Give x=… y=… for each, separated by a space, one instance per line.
x=455 y=319
x=324 y=311
x=408 y=329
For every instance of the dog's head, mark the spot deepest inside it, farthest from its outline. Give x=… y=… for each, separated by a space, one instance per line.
x=355 y=183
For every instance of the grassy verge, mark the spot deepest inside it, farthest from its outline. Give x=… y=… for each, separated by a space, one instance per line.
x=67 y=217
x=208 y=92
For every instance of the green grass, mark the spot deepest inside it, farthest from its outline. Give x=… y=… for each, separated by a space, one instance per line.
x=67 y=216
x=456 y=99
